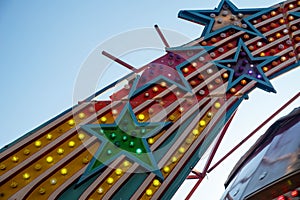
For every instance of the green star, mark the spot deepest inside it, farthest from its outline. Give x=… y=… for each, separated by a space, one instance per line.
x=124 y=137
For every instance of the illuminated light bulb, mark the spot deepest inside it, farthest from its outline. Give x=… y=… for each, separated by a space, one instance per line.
x=214 y=40
x=139 y=151
x=85 y=160
x=174 y=159
x=181 y=150
x=193 y=82
x=81 y=136
x=141 y=117
x=37 y=143
x=264 y=17
x=281 y=197
x=195 y=132
x=209 y=114
x=251 y=47
x=264 y=29
x=103 y=119
x=262 y=54
x=119 y=171
x=283 y=58
x=177 y=93
x=110 y=180
x=60 y=151
x=114 y=112
x=166 y=169
x=271 y=39
x=71 y=122
x=163 y=84
x=53 y=181
x=259 y=44
x=131 y=143
x=185 y=70
x=204 y=43
x=64 y=171
x=273 y=13
x=42 y=190
x=71 y=144
x=49 y=136
x=243 y=82
x=210 y=86
x=291 y=6
x=274 y=63
x=246 y=36
x=202 y=123
x=2 y=166
x=155 y=89
x=297 y=39
x=281 y=21
x=217 y=105
x=109 y=152
x=126 y=163
x=49 y=159
x=209 y=71
x=292 y=54
x=272 y=51
x=146 y=94
x=278 y=35
x=298 y=3
x=294 y=28
x=295 y=193
x=100 y=190
x=26 y=176
x=124 y=138
x=14 y=184
x=285 y=31
x=273 y=25
x=181 y=109
x=38 y=167
x=15 y=159
x=200 y=77
x=225 y=75
x=156 y=183
x=194 y=64
x=26 y=152
x=81 y=115
x=265 y=69
x=149 y=192
x=172 y=117
x=230 y=45
x=232 y=90
x=150 y=141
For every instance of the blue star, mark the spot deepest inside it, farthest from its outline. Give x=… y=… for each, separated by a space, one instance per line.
x=245 y=66
x=224 y=17
x=124 y=137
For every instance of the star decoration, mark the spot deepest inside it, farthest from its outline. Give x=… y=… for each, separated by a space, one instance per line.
x=174 y=76
x=245 y=66
x=124 y=137
x=224 y=17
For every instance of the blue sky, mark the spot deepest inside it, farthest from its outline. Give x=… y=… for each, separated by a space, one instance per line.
x=44 y=43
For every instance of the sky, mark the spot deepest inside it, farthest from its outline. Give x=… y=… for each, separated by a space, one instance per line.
x=45 y=44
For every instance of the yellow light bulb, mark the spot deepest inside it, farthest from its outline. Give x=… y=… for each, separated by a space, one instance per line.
x=110 y=180
x=71 y=122
x=26 y=176
x=166 y=169
x=81 y=115
x=49 y=159
x=118 y=171
x=37 y=143
x=60 y=151
x=156 y=183
x=150 y=141
x=71 y=144
x=149 y=192
x=64 y=171
x=202 y=123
